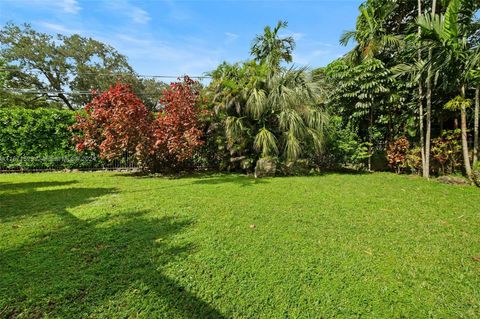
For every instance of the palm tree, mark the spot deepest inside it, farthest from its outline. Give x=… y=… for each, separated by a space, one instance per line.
x=476 y=150
x=474 y=66
x=269 y=47
x=371 y=34
x=273 y=113
x=372 y=39
x=445 y=36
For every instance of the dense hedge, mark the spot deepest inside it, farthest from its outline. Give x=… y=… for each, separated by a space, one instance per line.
x=39 y=138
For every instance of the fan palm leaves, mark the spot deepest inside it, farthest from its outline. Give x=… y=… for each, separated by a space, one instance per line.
x=278 y=110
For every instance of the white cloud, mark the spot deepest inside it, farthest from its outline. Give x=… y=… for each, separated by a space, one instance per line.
x=65 y=6
x=58 y=28
x=230 y=37
x=139 y=15
x=70 y=6
x=133 y=40
x=152 y=56
x=124 y=7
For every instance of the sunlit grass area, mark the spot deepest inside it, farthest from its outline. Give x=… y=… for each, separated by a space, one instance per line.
x=110 y=245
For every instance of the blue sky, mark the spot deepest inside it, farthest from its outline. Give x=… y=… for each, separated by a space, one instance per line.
x=191 y=36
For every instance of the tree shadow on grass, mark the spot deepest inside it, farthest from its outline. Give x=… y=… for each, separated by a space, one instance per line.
x=111 y=265
x=29 y=186
x=27 y=199
x=203 y=178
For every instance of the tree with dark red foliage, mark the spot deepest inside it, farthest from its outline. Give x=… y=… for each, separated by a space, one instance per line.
x=177 y=134
x=116 y=123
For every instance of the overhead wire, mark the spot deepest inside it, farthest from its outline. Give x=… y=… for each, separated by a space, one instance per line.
x=102 y=73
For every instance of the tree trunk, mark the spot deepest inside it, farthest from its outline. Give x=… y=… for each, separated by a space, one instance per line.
x=66 y=101
x=463 y=124
x=370 y=148
x=476 y=150
x=426 y=170
x=420 y=99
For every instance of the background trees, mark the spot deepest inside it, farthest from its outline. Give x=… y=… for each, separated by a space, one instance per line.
x=438 y=48
x=42 y=69
x=48 y=65
x=413 y=76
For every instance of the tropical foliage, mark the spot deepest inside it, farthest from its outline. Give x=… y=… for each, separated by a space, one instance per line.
x=406 y=97
x=429 y=58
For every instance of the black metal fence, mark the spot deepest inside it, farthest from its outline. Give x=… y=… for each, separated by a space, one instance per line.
x=25 y=164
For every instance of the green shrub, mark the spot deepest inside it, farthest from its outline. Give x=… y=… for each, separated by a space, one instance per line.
x=41 y=139
x=343 y=146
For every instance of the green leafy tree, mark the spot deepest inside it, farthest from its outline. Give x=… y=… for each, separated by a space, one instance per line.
x=48 y=65
x=371 y=33
x=362 y=95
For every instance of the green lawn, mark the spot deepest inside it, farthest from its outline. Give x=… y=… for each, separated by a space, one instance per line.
x=107 y=245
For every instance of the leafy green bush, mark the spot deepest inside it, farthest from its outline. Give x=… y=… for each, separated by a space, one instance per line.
x=343 y=146
x=41 y=139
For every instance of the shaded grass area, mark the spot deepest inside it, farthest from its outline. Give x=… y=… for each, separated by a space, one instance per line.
x=106 y=245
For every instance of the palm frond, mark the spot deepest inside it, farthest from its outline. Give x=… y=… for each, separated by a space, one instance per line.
x=451 y=19
x=234 y=128
x=346 y=37
x=292 y=147
x=256 y=102
x=317 y=139
x=266 y=143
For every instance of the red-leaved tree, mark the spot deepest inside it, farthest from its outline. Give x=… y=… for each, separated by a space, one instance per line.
x=177 y=133
x=116 y=123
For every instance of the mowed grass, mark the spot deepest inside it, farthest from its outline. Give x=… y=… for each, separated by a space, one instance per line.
x=111 y=245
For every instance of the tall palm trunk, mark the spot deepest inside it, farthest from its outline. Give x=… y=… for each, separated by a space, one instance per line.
x=463 y=125
x=426 y=170
x=420 y=98
x=370 y=140
x=476 y=150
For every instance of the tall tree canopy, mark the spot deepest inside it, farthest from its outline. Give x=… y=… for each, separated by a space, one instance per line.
x=50 y=65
